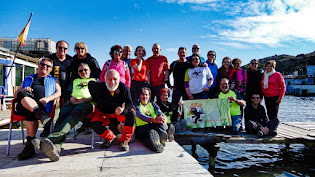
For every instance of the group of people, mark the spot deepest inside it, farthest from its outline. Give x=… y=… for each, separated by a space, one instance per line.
x=119 y=98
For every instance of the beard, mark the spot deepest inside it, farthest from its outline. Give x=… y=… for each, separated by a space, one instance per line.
x=113 y=88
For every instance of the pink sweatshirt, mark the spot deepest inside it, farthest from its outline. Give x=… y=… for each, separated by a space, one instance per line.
x=120 y=67
x=276 y=85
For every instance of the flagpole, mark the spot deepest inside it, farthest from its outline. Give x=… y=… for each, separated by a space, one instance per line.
x=18 y=47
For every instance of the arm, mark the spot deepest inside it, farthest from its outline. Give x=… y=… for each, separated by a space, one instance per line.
x=17 y=91
x=57 y=94
x=140 y=115
x=282 y=88
x=127 y=77
x=96 y=68
x=187 y=85
x=166 y=76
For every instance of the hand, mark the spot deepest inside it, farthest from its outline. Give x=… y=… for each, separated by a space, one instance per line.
x=180 y=102
x=44 y=100
x=160 y=119
x=206 y=89
x=265 y=130
x=119 y=110
x=205 y=64
x=231 y=98
x=74 y=100
x=279 y=100
x=190 y=97
x=28 y=89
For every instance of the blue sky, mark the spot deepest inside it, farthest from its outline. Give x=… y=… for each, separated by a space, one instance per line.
x=244 y=29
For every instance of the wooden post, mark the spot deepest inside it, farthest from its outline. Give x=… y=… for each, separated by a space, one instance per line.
x=213 y=151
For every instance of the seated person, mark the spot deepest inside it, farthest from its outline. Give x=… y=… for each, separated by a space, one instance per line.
x=256 y=121
x=171 y=113
x=151 y=122
x=114 y=105
x=75 y=110
x=35 y=98
x=236 y=101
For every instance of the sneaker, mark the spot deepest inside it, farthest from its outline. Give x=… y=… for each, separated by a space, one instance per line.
x=260 y=134
x=163 y=138
x=155 y=141
x=107 y=144
x=28 y=151
x=170 y=132
x=124 y=146
x=273 y=134
x=48 y=148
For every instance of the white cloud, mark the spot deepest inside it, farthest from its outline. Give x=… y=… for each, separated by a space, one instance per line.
x=188 y=1
x=235 y=45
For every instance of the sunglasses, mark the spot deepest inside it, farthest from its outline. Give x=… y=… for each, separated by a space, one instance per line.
x=255 y=97
x=81 y=70
x=62 y=48
x=195 y=59
x=196 y=48
x=79 y=48
x=254 y=63
x=237 y=63
x=211 y=54
x=43 y=64
x=119 y=52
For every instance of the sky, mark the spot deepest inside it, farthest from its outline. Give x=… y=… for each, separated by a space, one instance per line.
x=239 y=29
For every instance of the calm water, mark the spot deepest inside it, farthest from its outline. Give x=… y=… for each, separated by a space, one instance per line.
x=267 y=159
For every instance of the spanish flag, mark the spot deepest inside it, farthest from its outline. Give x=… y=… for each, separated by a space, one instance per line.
x=22 y=37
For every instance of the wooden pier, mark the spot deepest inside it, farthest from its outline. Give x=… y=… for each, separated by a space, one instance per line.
x=288 y=133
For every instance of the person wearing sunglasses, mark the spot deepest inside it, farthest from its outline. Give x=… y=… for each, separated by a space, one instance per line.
x=256 y=121
x=238 y=77
x=195 y=50
x=73 y=111
x=254 y=75
x=35 y=99
x=214 y=71
x=117 y=64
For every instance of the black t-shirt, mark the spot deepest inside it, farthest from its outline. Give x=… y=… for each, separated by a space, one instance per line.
x=38 y=87
x=179 y=69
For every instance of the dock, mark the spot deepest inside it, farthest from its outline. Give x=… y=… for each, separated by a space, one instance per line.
x=78 y=159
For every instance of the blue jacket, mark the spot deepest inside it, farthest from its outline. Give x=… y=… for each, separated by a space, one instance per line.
x=50 y=87
x=214 y=71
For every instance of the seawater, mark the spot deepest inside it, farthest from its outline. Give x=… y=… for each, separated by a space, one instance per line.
x=267 y=159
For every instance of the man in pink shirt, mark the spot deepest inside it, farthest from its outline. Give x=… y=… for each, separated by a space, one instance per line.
x=158 y=67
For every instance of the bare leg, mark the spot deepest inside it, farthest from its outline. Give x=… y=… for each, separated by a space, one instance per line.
x=29 y=103
x=31 y=128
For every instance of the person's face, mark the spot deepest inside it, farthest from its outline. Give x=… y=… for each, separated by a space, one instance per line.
x=164 y=97
x=269 y=68
x=84 y=71
x=81 y=51
x=211 y=56
x=182 y=53
x=256 y=99
x=156 y=50
x=145 y=97
x=140 y=52
x=62 y=48
x=195 y=61
x=237 y=64
x=195 y=49
x=44 y=68
x=253 y=65
x=117 y=54
x=224 y=86
x=226 y=63
x=127 y=52
x=112 y=81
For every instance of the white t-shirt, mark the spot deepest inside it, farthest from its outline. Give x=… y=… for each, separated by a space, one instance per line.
x=198 y=79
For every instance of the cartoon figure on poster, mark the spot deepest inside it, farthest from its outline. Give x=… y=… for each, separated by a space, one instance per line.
x=196 y=114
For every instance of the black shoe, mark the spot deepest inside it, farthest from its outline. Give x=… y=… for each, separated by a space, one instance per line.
x=107 y=144
x=41 y=115
x=46 y=130
x=273 y=134
x=28 y=151
x=155 y=141
x=170 y=132
x=260 y=134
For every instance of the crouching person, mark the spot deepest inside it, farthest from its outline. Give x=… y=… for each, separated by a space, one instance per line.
x=256 y=121
x=75 y=110
x=151 y=122
x=35 y=99
x=114 y=105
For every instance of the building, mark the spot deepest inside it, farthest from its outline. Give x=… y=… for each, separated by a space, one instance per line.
x=35 y=47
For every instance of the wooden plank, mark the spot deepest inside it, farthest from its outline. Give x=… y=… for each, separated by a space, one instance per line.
x=295 y=132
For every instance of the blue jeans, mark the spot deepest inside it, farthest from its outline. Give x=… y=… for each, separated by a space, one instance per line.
x=236 y=123
x=201 y=95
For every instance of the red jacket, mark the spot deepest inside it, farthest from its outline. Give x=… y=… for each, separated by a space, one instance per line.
x=276 y=85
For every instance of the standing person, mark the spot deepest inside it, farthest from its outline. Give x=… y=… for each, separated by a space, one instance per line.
x=75 y=110
x=61 y=69
x=140 y=69
x=126 y=54
x=254 y=76
x=225 y=70
x=236 y=101
x=114 y=105
x=256 y=121
x=35 y=99
x=118 y=64
x=273 y=88
x=214 y=71
x=195 y=50
x=151 y=122
x=159 y=71
x=238 y=77
x=83 y=56
x=198 y=80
